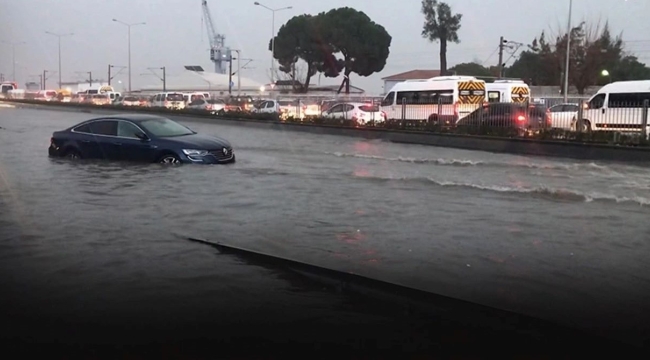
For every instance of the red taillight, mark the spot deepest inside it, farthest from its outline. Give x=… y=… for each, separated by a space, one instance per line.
x=521 y=118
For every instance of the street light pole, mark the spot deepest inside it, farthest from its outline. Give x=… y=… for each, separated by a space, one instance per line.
x=59 y=36
x=129 y=43
x=13 y=58
x=273 y=34
x=568 y=50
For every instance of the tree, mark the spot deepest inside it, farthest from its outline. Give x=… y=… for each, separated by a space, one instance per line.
x=471 y=69
x=363 y=44
x=440 y=25
x=592 y=50
x=300 y=39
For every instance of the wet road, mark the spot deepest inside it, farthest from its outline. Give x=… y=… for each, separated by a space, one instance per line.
x=559 y=239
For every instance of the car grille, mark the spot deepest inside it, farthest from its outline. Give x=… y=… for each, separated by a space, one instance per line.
x=220 y=155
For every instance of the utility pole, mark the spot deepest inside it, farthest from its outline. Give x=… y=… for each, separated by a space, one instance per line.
x=230 y=75
x=164 y=79
x=502 y=43
x=59 y=36
x=44 y=78
x=90 y=79
x=40 y=77
x=568 y=50
x=109 y=74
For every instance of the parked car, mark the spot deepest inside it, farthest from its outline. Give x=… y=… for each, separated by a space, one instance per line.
x=213 y=105
x=562 y=115
x=127 y=101
x=508 y=115
x=139 y=137
x=361 y=113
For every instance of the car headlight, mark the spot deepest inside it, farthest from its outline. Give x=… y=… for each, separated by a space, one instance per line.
x=191 y=152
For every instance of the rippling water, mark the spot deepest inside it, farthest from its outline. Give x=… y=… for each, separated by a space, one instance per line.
x=564 y=240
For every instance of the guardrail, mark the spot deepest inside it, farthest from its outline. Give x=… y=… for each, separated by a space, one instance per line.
x=624 y=126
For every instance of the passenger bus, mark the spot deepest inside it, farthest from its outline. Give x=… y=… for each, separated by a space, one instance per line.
x=507 y=91
x=444 y=98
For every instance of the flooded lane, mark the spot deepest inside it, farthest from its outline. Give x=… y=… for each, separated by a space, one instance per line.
x=560 y=239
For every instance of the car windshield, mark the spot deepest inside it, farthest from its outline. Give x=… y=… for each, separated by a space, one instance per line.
x=216 y=102
x=163 y=127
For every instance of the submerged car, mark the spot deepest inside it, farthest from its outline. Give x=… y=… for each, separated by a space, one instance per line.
x=138 y=137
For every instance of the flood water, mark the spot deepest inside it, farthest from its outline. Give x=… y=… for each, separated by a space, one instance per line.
x=101 y=244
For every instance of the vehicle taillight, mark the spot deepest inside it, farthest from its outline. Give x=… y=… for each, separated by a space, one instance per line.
x=521 y=118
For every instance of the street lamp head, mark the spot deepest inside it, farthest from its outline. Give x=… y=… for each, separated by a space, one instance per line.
x=604 y=73
x=256 y=3
x=289 y=7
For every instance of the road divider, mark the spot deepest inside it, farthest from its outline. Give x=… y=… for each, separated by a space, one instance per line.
x=588 y=146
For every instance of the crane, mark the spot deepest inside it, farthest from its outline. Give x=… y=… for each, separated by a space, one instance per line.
x=219 y=53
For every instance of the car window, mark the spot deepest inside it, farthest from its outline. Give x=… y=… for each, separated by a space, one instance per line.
x=389 y=99
x=369 y=108
x=570 y=108
x=556 y=108
x=336 y=108
x=127 y=129
x=104 y=127
x=348 y=107
x=82 y=129
x=174 y=97
x=597 y=101
x=163 y=127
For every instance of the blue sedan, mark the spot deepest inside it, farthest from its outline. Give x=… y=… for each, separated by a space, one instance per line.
x=143 y=138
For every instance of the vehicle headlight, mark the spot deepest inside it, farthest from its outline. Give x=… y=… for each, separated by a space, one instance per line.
x=191 y=152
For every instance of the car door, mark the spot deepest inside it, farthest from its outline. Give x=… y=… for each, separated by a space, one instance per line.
x=85 y=142
x=105 y=136
x=131 y=147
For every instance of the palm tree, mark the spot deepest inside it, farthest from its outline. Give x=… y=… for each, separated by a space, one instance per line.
x=440 y=25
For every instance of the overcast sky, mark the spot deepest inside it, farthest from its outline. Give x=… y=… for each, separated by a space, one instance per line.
x=175 y=34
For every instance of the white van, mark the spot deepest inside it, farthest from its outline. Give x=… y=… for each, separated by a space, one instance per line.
x=507 y=91
x=451 y=97
x=616 y=107
x=170 y=100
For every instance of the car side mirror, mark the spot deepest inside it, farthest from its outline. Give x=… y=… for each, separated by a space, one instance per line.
x=142 y=136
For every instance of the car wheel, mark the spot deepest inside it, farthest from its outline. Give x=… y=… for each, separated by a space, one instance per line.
x=72 y=154
x=169 y=159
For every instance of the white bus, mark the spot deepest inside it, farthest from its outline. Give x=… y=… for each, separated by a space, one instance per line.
x=442 y=98
x=507 y=91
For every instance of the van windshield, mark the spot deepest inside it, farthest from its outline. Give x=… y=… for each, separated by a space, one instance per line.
x=93 y=92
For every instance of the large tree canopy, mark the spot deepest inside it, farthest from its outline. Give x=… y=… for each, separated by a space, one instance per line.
x=363 y=44
x=340 y=40
x=300 y=39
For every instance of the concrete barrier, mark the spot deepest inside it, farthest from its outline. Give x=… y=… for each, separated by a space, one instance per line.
x=548 y=148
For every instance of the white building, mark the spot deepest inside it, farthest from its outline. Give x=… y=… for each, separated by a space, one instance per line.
x=196 y=79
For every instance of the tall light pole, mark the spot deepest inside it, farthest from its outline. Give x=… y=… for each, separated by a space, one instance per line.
x=59 y=36
x=129 y=43
x=273 y=34
x=568 y=51
x=13 y=57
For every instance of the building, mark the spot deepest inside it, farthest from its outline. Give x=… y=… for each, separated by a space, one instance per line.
x=78 y=86
x=194 y=78
x=289 y=86
x=390 y=81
